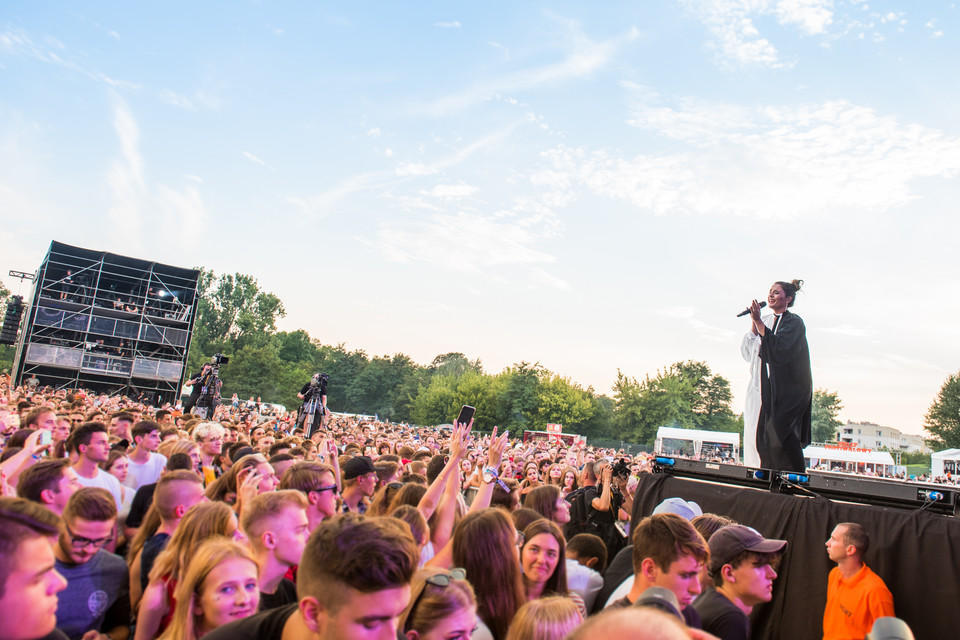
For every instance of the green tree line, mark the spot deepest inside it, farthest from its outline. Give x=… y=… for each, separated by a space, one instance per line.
x=237 y=318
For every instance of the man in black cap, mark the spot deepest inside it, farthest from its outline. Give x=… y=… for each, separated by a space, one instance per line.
x=743 y=567
x=359 y=483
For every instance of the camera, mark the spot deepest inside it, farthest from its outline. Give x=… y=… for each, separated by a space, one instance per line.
x=621 y=469
x=219 y=359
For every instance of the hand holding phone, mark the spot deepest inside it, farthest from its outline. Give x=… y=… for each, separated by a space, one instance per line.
x=466 y=414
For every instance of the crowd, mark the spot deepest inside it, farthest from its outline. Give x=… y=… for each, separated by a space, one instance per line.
x=122 y=520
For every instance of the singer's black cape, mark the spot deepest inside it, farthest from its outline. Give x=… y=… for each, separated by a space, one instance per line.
x=787 y=396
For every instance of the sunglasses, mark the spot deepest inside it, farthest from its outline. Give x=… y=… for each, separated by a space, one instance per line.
x=442 y=580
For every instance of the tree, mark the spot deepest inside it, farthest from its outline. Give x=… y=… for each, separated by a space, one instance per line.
x=942 y=420
x=7 y=351
x=454 y=364
x=564 y=402
x=518 y=395
x=824 y=423
x=232 y=312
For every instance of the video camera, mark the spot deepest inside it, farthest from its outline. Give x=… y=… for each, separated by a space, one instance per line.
x=219 y=359
x=621 y=469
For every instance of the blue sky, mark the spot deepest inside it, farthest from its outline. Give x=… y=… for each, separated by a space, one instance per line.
x=591 y=187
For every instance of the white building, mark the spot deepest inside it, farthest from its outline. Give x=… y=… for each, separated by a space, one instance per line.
x=868 y=435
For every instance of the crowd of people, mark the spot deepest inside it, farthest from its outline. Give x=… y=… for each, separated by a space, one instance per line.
x=121 y=520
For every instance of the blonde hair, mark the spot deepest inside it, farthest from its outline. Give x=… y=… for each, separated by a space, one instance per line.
x=201 y=521
x=210 y=554
x=434 y=603
x=545 y=619
x=254 y=520
x=181 y=445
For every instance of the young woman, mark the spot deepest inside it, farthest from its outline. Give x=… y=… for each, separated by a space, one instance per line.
x=542 y=558
x=117 y=464
x=220 y=585
x=531 y=480
x=485 y=545
x=202 y=521
x=545 y=619
x=547 y=500
x=555 y=474
x=570 y=481
x=442 y=606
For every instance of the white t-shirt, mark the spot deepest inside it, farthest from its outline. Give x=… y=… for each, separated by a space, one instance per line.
x=583 y=581
x=146 y=473
x=104 y=480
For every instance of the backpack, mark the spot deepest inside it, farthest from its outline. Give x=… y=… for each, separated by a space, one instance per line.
x=581 y=514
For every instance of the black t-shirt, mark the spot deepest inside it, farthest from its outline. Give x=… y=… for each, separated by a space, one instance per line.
x=285 y=594
x=151 y=549
x=140 y=505
x=268 y=624
x=721 y=617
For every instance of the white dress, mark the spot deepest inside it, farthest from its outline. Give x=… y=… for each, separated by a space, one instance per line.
x=750 y=350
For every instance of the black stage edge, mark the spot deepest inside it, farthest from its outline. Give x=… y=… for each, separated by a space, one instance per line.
x=917 y=553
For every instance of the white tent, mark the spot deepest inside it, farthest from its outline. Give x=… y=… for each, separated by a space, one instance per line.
x=698 y=438
x=881 y=462
x=942 y=461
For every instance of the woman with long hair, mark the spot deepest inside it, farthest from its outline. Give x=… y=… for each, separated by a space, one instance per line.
x=530 y=481
x=543 y=560
x=442 y=606
x=485 y=545
x=219 y=585
x=555 y=474
x=570 y=481
x=547 y=500
x=204 y=520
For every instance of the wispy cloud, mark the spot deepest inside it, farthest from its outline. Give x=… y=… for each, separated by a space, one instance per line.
x=125 y=176
x=193 y=178
x=583 y=58
x=252 y=158
x=737 y=41
x=766 y=161
x=18 y=43
x=699 y=327
x=453 y=191
x=448 y=25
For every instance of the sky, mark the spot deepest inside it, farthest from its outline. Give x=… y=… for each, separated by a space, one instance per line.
x=592 y=186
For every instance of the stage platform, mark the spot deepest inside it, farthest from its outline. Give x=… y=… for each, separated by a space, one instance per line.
x=916 y=551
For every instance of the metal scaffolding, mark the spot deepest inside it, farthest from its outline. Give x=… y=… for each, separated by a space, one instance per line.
x=109 y=323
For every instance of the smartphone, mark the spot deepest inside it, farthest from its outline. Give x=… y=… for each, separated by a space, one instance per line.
x=46 y=438
x=466 y=414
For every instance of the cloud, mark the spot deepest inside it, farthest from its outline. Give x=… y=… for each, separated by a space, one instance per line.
x=448 y=25
x=852 y=331
x=495 y=241
x=373 y=133
x=252 y=158
x=768 y=161
x=453 y=191
x=176 y=100
x=415 y=169
x=193 y=178
x=583 y=59
x=125 y=176
x=699 y=327
x=185 y=209
x=737 y=41
x=506 y=51
x=18 y=43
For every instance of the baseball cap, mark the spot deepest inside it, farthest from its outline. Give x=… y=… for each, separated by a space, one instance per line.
x=730 y=541
x=680 y=507
x=357 y=466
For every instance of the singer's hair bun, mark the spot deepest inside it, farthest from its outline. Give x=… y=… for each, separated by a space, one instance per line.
x=796 y=284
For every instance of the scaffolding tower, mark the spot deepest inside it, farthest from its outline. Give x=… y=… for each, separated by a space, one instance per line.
x=109 y=323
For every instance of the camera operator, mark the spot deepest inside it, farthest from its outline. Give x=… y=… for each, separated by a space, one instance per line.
x=611 y=496
x=314 y=408
x=205 y=388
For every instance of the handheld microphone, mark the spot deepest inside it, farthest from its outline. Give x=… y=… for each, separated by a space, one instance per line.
x=747 y=310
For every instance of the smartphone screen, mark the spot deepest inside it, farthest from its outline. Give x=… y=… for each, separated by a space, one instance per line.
x=46 y=437
x=466 y=414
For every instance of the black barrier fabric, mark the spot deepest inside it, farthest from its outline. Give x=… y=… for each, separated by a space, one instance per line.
x=916 y=553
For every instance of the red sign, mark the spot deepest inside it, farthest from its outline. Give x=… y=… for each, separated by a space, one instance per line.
x=554 y=428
